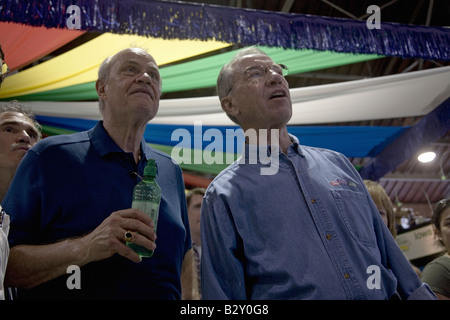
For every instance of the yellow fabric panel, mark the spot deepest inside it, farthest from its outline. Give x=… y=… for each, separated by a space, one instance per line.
x=80 y=65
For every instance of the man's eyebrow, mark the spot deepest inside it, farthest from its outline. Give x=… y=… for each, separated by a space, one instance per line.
x=126 y=62
x=252 y=67
x=135 y=63
x=9 y=122
x=17 y=123
x=132 y=61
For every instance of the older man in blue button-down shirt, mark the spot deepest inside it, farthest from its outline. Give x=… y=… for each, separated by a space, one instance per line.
x=307 y=229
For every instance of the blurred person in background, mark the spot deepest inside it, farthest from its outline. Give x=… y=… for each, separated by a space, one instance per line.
x=386 y=209
x=3 y=67
x=437 y=272
x=194 y=203
x=383 y=203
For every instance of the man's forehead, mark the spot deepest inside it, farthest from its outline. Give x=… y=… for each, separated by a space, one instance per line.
x=135 y=55
x=11 y=116
x=16 y=118
x=254 y=59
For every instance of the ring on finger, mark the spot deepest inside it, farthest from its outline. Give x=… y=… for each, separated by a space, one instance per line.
x=128 y=236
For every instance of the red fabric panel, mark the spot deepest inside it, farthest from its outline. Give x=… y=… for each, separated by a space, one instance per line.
x=24 y=44
x=195 y=181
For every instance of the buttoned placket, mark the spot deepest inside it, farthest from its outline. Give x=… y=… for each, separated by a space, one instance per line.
x=319 y=215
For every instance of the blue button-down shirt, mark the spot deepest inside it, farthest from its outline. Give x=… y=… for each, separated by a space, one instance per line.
x=310 y=231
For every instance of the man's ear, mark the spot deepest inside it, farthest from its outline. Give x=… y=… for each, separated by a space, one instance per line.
x=229 y=107
x=100 y=86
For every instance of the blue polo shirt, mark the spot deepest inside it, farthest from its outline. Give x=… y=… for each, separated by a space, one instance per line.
x=67 y=185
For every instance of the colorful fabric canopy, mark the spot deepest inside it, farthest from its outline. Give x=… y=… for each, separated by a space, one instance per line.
x=211 y=148
x=57 y=89
x=403 y=95
x=203 y=73
x=377 y=98
x=80 y=65
x=77 y=82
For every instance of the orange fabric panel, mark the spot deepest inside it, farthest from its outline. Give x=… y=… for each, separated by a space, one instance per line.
x=24 y=44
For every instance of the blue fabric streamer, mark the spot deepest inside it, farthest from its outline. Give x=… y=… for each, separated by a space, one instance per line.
x=430 y=128
x=352 y=141
x=176 y=20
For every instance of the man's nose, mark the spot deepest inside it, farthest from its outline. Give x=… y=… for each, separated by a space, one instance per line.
x=274 y=77
x=144 y=77
x=23 y=136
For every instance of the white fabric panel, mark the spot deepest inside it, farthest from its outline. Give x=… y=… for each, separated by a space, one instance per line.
x=403 y=95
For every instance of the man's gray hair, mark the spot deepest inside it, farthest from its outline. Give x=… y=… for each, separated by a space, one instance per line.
x=103 y=72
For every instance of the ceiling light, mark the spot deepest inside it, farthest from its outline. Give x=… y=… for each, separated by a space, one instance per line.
x=426 y=157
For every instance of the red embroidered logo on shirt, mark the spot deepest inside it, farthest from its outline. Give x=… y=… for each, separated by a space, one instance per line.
x=343 y=182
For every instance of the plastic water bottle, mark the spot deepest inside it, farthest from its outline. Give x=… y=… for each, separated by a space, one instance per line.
x=147 y=197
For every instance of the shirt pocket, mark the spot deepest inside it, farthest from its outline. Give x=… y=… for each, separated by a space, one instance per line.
x=354 y=209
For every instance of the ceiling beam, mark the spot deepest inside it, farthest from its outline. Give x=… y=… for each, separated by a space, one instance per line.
x=340 y=9
x=381 y=8
x=407 y=177
x=287 y=5
x=430 y=11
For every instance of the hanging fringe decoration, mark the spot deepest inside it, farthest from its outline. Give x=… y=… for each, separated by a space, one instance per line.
x=177 y=20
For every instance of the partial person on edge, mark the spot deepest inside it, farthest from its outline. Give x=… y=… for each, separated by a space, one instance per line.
x=437 y=272
x=19 y=131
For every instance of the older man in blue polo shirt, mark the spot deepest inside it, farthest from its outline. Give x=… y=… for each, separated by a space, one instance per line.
x=70 y=202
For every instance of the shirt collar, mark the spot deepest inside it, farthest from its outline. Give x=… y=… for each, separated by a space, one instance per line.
x=105 y=145
x=253 y=150
x=296 y=145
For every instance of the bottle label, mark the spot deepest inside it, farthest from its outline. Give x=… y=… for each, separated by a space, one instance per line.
x=149 y=208
x=152 y=210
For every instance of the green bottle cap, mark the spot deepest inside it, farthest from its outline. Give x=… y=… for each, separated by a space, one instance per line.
x=150 y=168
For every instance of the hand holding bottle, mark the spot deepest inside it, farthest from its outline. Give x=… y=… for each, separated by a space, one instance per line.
x=109 y=237
x=131 y=232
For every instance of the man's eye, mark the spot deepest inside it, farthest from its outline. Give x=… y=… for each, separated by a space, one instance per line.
x=255 y=73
